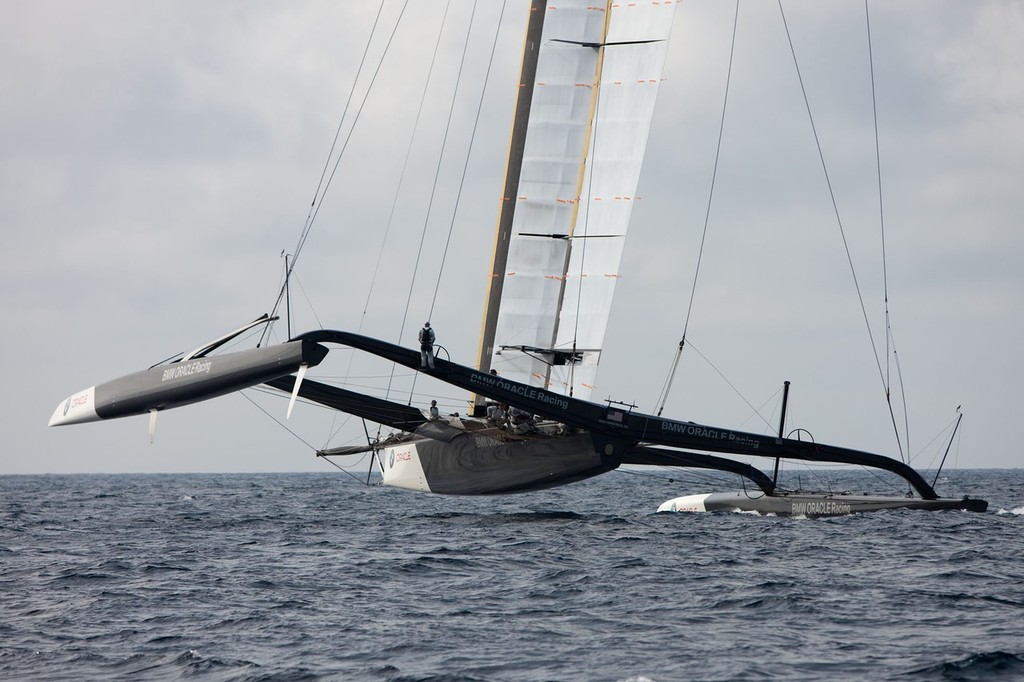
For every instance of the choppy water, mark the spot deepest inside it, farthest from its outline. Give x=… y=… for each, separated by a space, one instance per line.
x=313 y=576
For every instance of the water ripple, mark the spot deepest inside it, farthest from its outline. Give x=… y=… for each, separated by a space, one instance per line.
x=309 y=576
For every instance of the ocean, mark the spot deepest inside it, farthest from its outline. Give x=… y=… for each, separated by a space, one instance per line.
x=318 y=576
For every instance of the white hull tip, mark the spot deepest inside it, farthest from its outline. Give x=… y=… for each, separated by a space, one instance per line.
x=76 y=409
x=686 y=503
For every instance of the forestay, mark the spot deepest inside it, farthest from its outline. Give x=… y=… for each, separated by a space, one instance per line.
x=597 y=78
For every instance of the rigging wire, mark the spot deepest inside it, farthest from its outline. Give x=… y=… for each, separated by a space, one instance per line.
x=344 y=470
x=405 y=163
x=352 y=128
x=305 y=296
x=433 y=188
x=469 y=153
x=831 y=192
x=940 y=436
x=730 y=384
x=398 y=189
x=321 y=188
x=707 y=216
x=278 y=421
x=878 y=175
x=324 y=184
x=890 y=342
x=437 y=171
x=945 y=454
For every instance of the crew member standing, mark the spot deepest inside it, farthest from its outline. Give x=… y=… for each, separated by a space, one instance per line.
x=426 y=347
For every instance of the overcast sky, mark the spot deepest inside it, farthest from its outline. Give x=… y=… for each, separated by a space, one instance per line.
x=157 y=157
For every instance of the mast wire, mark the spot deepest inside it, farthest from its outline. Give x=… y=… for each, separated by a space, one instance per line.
x=469 y=153
x=890 y=342
x=433 y=189
x=325 y=180
x=754 y=410
x=323 y=186
x=352 y=128
x=832 y=196
x=398 y=192
x=707 y=216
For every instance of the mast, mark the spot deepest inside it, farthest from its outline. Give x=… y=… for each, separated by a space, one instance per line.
x=513 y=169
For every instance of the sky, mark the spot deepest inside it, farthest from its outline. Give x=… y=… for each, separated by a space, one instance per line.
x=156 y=160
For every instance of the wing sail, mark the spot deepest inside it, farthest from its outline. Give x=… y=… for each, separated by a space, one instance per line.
x=593 y=95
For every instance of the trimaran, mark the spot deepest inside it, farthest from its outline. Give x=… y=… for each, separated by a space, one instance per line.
x=589 y=78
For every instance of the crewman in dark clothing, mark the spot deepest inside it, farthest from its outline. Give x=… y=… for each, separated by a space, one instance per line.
x=426 y=347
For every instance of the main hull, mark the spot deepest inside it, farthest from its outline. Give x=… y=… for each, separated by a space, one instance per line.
x=476 y=464
x=811 y=505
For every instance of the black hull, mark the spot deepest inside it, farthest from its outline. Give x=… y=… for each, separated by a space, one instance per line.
x=182 y=383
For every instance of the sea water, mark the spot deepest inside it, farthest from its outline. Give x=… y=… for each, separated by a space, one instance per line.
x=318 y=576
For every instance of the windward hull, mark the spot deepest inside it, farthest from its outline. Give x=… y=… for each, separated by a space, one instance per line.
x=176 y=384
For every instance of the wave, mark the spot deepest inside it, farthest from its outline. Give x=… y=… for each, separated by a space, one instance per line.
x=981 y=666
x=1016 y=511
x=586 y=584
